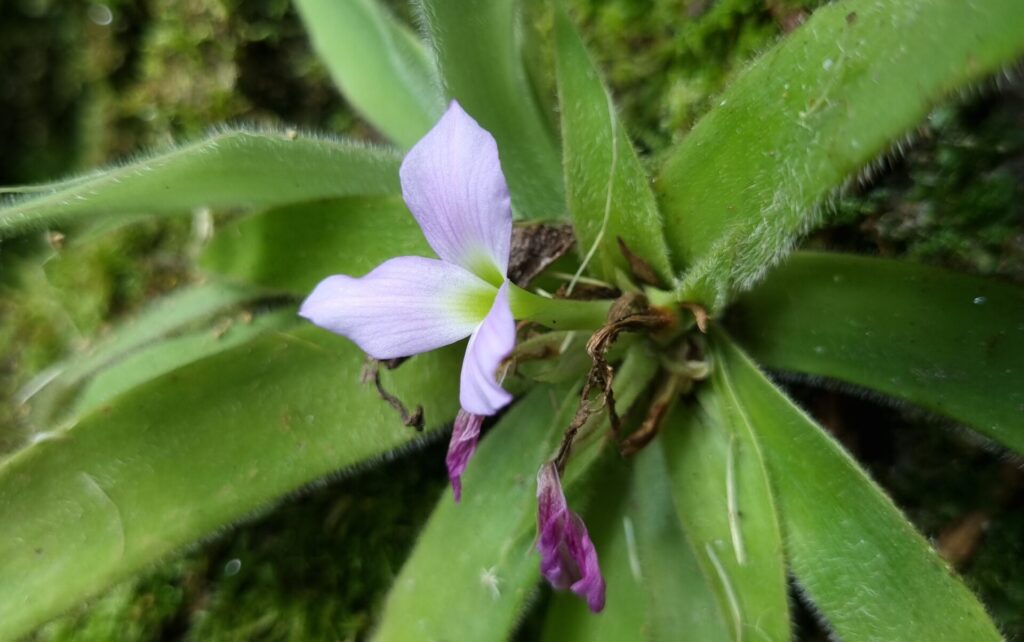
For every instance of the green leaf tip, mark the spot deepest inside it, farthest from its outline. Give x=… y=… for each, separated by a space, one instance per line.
x=862 y=564
x=231 y=168
x=610 y=200
x=379 y=64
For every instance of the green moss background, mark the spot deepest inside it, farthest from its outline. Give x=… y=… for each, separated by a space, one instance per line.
x=93 y=82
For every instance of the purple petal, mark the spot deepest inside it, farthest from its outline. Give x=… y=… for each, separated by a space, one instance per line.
x=452 y=183
x=568 y=559
x=489 y=345
x=591 y=583
x=405 y=306
x=465 y=435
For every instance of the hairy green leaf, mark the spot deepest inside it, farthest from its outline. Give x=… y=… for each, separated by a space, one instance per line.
x=229 y=169
x=380 y=66
x=170 y=354
x=721 y=490
x=293 y=247
x=682 y=598
x=949 y=342
x=810 y=114
x=865 y=568
x=175 y=312
x=188 y=453
x=608 y=193
x=474 y=567
x=481 y=63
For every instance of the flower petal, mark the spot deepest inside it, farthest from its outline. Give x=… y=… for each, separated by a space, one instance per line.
x=552 y=516
x=568 y=559
x=590 y=586
x=452 y=183
x=405 y=306
x=490 y=343
x=465 y=435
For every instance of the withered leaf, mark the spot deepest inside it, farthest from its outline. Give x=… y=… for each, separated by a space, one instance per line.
x=535 y=247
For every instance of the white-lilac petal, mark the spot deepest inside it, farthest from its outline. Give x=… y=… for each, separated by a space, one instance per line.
x=405 y=306
x=453 y=184
x=479 y=390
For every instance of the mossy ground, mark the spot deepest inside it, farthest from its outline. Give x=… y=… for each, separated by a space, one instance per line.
x=316 y=567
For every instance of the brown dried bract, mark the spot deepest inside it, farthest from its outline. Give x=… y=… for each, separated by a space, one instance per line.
x=683 y=370
x=535 y=247
x=959 y=540
x=371 y=372
x=641 y=269
x=392 y=364
x=652 y=422
x=629 y=313
x=788 y=18
x=700 y=315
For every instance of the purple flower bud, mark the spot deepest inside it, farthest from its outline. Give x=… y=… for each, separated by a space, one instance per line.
x=567 y=556
x=465 y=435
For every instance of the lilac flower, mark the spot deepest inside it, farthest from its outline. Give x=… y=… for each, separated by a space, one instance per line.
x=568 y=559
x=453 y=184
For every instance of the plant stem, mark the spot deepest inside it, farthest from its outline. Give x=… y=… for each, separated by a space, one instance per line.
x=558 y=314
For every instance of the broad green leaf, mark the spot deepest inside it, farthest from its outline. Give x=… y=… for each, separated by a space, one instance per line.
x=682 y=604
x=171 y=314
x=293 y=247
x=479 y=56
x=187 y=454
x=608 y=193
x=168 y=314
x=720 y=488
x=474 y=566
x=380 y=66
x=228 y=169
x=810 y=114
x=170 y=354
x=864 y=567
x=949 y=342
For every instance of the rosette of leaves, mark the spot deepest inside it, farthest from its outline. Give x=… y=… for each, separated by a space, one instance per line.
x=179 y=424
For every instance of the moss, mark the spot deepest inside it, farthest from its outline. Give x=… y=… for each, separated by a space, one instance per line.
x=995 y=572
x=666 y=59
x=139 y=610
x=39 y=102
x=956 y=198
